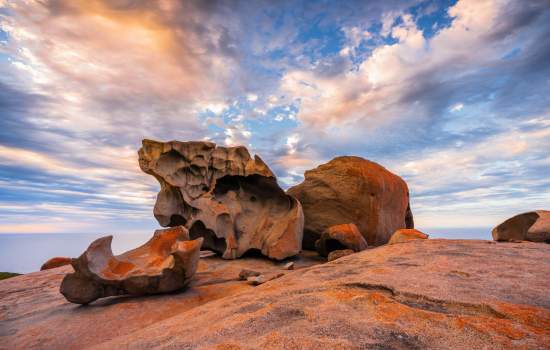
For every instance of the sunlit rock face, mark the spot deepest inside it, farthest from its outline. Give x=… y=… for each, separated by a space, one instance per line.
x=353 y=189
x=166 y=263
x=225 y=196
x=531 y=226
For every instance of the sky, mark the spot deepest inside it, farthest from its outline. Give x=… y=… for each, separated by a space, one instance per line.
x=453 y=96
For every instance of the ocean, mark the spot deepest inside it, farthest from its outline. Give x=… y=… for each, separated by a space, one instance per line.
x=24 y=253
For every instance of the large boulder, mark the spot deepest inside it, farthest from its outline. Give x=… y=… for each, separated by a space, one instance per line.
x=166 y=263
x=225 y=196
x=532 y=226
x=340 y=237
x=353 y=189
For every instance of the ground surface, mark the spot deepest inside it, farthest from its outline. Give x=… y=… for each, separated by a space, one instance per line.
x=423 y=294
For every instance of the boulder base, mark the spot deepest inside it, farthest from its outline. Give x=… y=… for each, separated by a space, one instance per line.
x=533 y=226
x=353 y=189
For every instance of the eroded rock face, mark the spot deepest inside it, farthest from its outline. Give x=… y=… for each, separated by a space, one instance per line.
x=533 y=226
x=58 y=261
x=166 y=263
x=225 y=196
x=353 y=189
x=405 y=235
x=340 y=237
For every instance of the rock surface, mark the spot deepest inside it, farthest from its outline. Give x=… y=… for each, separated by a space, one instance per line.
x=337 y=254
x=33 y=315
x=340 y=237
x=405 y=235
x=58 y=261
x=353 y=189
x=165 y=263
x=426 y=294
x=225 y=196
x=533 y=226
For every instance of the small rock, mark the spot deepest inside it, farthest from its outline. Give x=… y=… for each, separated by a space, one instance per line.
x=55 y=262
x=533 y=226
x=336 y=254
x=245 y=274
x=289 y=266
x=405 y=235
x=207 y=253
x=260 y=279
x=340 y=237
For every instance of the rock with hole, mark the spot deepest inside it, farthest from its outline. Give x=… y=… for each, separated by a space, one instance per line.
x=225 y=196
x=166 y=263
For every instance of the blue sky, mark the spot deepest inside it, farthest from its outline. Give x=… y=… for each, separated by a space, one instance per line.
x=451 y=95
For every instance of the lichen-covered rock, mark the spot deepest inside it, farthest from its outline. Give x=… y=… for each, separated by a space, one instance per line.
x=337 y=254
x=225 y=196
x=58 y=261
x=532 y=226
x=340 y=237
x=405 y=235
x=353 y=189
x=166 y=263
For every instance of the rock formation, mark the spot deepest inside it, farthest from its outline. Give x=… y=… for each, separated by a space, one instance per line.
x=405 y=235
x=532 y=226
x=166 y=263
x=55 y=262
x=426 y=294
x=352 y=189
x=340 y=237
x=225 y=196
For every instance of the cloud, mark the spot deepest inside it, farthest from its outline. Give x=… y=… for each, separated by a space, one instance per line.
x=451 y=98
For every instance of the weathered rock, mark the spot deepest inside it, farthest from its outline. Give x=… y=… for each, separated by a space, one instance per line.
x=426 y=294
x=55 y=262
x=265 y=277
x=405 y=235
x=166 y=263
x=245 y=273
x=352 y=189
x=532 y=226
x=337 y=254
x=340 y=237
x=225 y=196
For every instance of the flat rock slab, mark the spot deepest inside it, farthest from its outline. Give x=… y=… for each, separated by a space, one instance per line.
x=426 y=294
x=33 y=314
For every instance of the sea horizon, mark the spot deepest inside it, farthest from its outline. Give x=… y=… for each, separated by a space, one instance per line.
x=26 y=252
